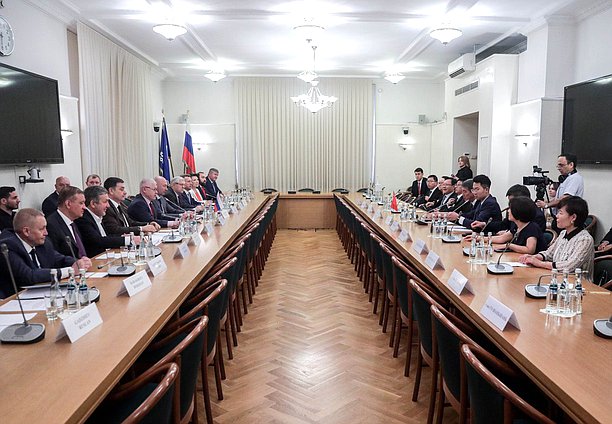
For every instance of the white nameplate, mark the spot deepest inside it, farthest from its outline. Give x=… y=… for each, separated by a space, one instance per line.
x=225 y=213
x=404 y=236
x=388 y=220
x=499 y=314
x=157 y=265
x=458 y=282
x=420 y=247
x=221 y=219
x=371 y=208
x=182 y=251
x=195 y=240
x=208 y=228
x=243 y=203
x=80 y=323
x=135 y=284
x=233 y=209
x=395 y=226
x=377 y=215
x=433 y=260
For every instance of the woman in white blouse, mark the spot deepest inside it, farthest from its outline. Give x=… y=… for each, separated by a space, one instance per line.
x=574 y=246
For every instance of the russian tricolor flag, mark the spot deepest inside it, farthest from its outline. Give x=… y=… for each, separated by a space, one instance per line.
x=188 y=157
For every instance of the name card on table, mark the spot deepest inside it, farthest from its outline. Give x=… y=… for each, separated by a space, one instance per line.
x=233 y=209
x=420 y=247
x=371 y=208
x=404 y=236
x=377 y=215
x=208 y=228
x=225 y=213
x=221 y=220
x=243 y=204
x=135 y=284
x=80 y=323
x=388 y=220
x=499 y=314
x=195 y=240
x=395 y=226
x=433 y=261
x=157 y=265
x=182 y=251
x=458 y=282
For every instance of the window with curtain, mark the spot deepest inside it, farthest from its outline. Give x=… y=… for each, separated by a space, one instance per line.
x=116 y=110
x=284 y=146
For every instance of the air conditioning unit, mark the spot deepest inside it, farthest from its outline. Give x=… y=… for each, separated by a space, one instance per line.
x=465 y=63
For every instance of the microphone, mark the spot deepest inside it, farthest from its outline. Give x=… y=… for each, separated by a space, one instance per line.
x=459 y=206
x=174 y=204
x=487 y=224
x=108 y=263
x=19 y=333
x=68 y=241
x=500 y=268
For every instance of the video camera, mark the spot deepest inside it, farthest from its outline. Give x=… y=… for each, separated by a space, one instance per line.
x=539 y=182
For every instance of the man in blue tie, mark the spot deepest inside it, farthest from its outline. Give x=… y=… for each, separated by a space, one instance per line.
x=31 y=254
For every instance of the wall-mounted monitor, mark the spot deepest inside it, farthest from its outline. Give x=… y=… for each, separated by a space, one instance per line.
x=29 y=118
x=587 y=121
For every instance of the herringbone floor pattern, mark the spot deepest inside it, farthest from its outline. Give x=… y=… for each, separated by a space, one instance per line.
x=311 y=351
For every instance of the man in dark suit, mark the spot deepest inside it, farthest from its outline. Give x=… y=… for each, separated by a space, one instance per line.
x=49 y=205
x=210 y=187
x=166 y=209
x=419 y=186
x=190 y=193
x=142 y=208
x=464 y=202
x=31 y=254
x=90 y=226
x=485 y=209
x=176 y=194
x=447 y=188
x=116 y=221
x=517 y=190
x=434 y=192
x=71 y=206
x=9 y=203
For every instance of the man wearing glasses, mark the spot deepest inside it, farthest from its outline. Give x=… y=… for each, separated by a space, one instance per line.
x=142 y=208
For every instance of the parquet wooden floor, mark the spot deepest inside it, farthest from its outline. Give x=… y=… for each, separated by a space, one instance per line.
x=311 y=351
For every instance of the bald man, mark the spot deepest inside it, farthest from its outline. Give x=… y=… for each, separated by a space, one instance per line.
x=49 y=205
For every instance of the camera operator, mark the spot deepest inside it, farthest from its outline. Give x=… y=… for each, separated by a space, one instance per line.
x=571 y=181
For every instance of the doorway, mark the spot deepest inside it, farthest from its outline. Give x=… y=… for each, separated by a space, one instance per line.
x=465 y=139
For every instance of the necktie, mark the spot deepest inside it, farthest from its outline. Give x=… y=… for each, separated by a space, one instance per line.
x=419 y=184
x=123 y=217
x=77 y=239
x=34 y=258
x=152 y=210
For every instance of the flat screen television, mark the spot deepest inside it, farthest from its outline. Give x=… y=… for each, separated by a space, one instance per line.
x=29 y=118
x=587 y=121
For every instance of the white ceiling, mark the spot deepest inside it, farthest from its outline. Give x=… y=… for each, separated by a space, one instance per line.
x=362 y=37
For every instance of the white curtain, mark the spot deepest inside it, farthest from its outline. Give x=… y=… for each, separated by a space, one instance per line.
x=116 y=117
x=283 y=146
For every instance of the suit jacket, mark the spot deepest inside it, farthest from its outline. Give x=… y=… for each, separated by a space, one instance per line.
x=21 y=263
x=94 y=242
x=139 y=211
x=167 y=210
x=58 y=230
x=114 y=223
x=49 y=205
x=434 y=196
x=414 y=189
x=6 y=220
x=181 y=199
x=211 y=189
x=438 y=203
x=505 y=224
x=459 y=206
x=482 y=211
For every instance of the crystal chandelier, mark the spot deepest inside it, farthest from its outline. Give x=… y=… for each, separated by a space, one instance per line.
x=170 y=31
x=314 y=100
x=445 y=35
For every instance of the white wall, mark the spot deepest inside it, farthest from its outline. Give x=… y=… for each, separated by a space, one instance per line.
x=42 y=46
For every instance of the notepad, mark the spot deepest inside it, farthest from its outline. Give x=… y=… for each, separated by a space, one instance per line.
x=28 y=305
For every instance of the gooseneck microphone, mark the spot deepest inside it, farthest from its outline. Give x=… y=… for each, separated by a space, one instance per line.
x=500 y=268
x=19 y=333
x=69 y=243
x=174 y=204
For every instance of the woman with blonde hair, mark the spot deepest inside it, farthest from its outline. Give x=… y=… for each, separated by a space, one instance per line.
x=464 y=172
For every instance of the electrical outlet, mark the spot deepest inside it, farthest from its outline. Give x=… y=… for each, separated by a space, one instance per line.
x=22 y=179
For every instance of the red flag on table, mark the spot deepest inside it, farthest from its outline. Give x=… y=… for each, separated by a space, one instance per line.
x=394 y=202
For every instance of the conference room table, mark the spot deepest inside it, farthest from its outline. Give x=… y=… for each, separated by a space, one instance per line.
x=306 y=211
x=562 y=356
x=62 y=382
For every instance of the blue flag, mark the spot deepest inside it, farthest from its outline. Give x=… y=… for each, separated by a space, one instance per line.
x=164 y=153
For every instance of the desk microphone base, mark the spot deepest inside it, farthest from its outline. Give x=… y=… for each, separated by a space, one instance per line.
x=500 y=269
x=603 y=328
x=535 y=291
x=121 y=270
x=451 y=239
x=23 y=333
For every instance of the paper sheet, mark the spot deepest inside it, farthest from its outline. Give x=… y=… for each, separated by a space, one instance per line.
x=28 y=305
x=10 y=319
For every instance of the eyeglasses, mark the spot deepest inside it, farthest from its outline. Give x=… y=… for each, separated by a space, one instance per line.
x=150 y=188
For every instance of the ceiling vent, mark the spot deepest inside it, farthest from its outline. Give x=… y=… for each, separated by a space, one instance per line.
x=465 y=63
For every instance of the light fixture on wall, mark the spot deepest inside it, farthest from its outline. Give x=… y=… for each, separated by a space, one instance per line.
x=215 y=75
x=66 y=133
x=525 y=138
x=394 y=77
x=445 y=34
x=314 y=100
x=170 y=31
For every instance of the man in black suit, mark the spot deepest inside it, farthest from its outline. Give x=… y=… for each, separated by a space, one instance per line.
x=61 y=225
x=116 y=221
x=166 y=209
x=143 y=209
x=49 y=205
x=434 y=192
x=447 y=188
x=419 y=186
x=464 y=202
x=176 y=194
x=517 y=190
x=90 y=226
x=210 y=187
x=485 y=208
x=9 y=203
x=31 y=254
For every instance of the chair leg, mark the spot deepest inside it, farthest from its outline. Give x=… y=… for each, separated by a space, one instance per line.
x=228 y=341
x=440 y=402
x=409 y=349
x=217 y=368
x=206 y=391
x=432 y=392
x=219 y=355
x=417 y=379
x=398 y=336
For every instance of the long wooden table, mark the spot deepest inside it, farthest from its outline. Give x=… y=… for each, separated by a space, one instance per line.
x=306 y=211
x=561 y=355
x=60 y=382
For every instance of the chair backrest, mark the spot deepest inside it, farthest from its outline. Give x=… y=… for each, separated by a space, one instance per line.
x=422 y=299
x=306 y=190
x=269 y=190
x=550 y=236
x=491 y=400
x=362 y=190
x=591 y=225
x=340 y=190
x=602 y=274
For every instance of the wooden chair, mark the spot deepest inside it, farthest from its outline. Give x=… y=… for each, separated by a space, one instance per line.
x=491 y=400
x=550 y=236
x=602 y=274
x=152 y=397
x=591 y=225
x=269 y=190
x=306 y=190
x=340 y=190
x=362 y=190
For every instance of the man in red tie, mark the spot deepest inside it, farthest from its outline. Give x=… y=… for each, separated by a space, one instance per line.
x=143 y=209
x=63 y=232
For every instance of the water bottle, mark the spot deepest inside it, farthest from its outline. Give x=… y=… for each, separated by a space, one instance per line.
x=150 y=247
x=55 y=298
x=83 y=290
x=489 y=250
x=577 y=292
x=480 y=250
x=563 y=304
x=71 y=293
x=473 y=247
x=551 y=294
